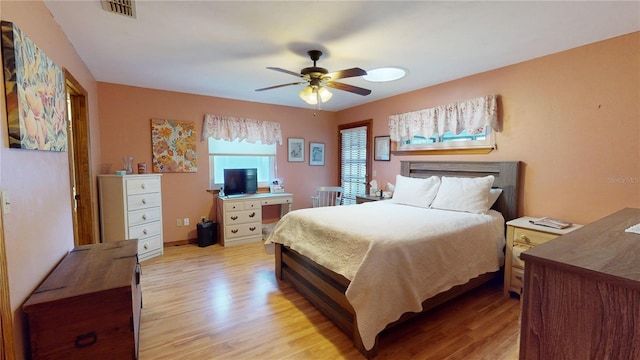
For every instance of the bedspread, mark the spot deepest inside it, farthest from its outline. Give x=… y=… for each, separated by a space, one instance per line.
x=396 y=256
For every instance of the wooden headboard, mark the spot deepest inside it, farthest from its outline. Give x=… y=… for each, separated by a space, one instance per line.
x=505 y=173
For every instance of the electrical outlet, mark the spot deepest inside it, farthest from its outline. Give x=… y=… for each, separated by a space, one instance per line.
x=186 y=221
x=178 y=222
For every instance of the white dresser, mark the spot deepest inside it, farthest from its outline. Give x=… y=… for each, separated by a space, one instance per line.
x=131 y=208
x=240 y=217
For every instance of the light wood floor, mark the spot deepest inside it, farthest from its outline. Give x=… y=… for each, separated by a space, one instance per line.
x=225 y=303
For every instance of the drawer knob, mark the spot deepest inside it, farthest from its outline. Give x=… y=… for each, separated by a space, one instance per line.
x=234 y=231
x=144 y=201
x=145 y=232
x=144 y=186
x=252 y=214
x=146 y=246
x=253 y=228
x=524 y=238
x=234 y=218
x=144 y=216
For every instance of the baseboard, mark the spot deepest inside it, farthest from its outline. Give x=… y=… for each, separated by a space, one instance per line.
x=180 y=242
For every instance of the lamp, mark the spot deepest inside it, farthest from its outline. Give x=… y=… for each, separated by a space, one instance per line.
x=313 y=93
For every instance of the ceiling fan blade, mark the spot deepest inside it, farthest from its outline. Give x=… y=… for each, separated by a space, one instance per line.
x=283 y=85
x=285 y=71
x=347 y=73
x=349 y=88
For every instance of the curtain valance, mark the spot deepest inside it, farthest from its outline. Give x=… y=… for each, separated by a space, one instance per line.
x=471 y=115
x=230 y=128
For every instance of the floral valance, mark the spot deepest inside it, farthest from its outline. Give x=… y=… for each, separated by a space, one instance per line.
x=230 y=128
x=472 y=115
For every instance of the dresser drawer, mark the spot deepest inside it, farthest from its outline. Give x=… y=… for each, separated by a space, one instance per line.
x=143 y=201
x=517 y=280
x=143 y=186
x=515 y=255
x=150 y=244
x=242 y=217
x=144 y=216
x=275 y=201
x=530 y=237
x=241 y=205
x=240 y=230
x=145 y=230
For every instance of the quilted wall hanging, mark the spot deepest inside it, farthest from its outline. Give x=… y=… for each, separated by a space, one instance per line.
x=35 y=94
x=174 y=146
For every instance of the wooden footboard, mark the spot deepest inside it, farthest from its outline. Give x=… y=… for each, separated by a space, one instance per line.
x=325 y=289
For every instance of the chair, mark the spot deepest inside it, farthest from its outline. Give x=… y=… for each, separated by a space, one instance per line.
x=328 y=196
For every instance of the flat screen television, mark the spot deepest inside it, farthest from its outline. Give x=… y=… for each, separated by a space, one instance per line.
x=240 y=181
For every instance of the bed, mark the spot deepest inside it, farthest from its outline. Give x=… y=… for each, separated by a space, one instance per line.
x=344 y=294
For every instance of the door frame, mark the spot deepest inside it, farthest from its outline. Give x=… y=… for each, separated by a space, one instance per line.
x=369 y=163
x=82 y=185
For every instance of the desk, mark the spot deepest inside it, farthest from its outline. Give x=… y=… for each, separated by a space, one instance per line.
x=582 y=293
x=240 y=217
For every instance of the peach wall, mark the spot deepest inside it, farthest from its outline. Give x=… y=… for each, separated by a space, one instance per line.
x=125 y=130
x=572 y=118
x=38 y=231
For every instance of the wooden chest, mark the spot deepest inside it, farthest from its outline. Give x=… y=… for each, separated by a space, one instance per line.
x=89 y=306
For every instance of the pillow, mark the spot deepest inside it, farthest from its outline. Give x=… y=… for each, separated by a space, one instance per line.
x=415 y=191
x=494 y=194
x=464 y=194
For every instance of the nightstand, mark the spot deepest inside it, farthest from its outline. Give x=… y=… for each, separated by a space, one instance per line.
x=368 y=198
x=521 y=236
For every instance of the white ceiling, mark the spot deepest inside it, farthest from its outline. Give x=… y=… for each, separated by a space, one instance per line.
x=222 y=48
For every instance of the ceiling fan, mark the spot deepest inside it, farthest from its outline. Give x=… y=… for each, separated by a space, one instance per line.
x=318 y=79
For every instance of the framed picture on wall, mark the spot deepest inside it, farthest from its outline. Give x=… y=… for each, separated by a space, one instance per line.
x=381 y=148
x=316 y=154
x=295 y=149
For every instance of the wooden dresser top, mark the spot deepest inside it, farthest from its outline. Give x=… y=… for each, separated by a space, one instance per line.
x=601 y=249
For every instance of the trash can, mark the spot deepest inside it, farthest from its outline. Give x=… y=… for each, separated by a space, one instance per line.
x=207 y=233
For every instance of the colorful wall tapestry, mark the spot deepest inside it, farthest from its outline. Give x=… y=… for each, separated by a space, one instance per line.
x=35 y=93
x=174 y=146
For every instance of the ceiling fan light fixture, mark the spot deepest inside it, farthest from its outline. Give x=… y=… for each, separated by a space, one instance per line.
x=324 y=94
x=385 y=74
x=308 y=95
x=312 y=94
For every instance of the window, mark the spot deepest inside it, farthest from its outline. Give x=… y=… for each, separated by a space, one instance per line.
x=354 y=161
x=471 y=143
x=225 y=154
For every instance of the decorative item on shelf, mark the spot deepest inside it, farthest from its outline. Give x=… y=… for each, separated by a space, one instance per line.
x=276 y=186
x=127 y=164
x=373 y=188
x=142 y=168
x=389 y=192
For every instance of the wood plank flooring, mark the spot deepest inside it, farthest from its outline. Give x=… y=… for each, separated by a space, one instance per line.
x=225 y=303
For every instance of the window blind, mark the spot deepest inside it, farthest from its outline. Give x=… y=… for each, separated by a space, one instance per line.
x=354 y=163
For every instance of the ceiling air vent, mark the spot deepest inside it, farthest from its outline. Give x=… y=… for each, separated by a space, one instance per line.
x=122 y=7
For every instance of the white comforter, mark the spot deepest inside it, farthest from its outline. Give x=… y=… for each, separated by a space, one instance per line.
x=396 y=256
